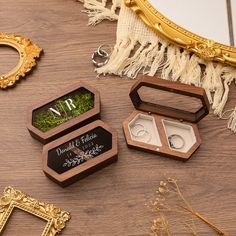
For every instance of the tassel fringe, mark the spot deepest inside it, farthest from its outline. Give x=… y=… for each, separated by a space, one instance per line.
x=232 y=121
x=97 y=11
x=138 y=49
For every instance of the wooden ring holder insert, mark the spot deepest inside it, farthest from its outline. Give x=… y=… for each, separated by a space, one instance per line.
x=73 y=108
x=80 y=153
x=165 y=130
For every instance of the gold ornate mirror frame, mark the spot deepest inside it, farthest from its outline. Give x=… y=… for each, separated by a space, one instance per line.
x=55 y=217
x=28 y=53
x=205 y=48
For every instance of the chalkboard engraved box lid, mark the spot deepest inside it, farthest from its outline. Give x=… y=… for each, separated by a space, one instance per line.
x=62 y=159
x=164 y=122
x=51 y=108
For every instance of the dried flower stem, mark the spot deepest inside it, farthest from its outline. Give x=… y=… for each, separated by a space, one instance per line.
x=161 y=205
x=173 y=181
x=160 y=227
x=191 y=227
x=190 y=209
x=214 y=227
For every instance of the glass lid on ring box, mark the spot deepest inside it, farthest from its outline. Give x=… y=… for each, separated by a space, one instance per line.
x=165 y=117
x=80 y=153
x=72 y=108
x=77 y=142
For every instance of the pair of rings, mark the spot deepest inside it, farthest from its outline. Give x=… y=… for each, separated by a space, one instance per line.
x=176 y=141
x=101 y=57
x=140 y=131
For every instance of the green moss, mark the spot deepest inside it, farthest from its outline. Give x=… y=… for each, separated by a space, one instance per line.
x=44 y=119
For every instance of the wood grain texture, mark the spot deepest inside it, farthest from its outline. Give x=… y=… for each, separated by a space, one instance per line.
x=175 y=88
x=164 y=149
x=87 y=168
x=111 y=201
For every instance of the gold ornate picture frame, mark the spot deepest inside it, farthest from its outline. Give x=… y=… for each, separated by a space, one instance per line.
x=54 y=216
x=203 y=47
x=28 y=53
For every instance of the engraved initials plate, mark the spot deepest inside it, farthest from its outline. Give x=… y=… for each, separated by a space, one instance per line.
x=70 y=110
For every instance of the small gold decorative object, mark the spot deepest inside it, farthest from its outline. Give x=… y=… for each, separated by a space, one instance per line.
x=28 y=53
x=203 y=47
x=11 y=199
x=169 y=204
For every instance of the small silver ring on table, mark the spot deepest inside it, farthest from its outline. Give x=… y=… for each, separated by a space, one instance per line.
x=102 y=48
x=149 y=136
x=143 y=129
x=173 y=144
x=102 y=54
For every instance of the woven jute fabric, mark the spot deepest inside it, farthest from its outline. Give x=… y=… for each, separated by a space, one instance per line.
x=139 y=50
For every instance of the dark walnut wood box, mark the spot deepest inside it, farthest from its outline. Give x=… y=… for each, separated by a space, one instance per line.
x=80 y=153
x=77 y=142
x=164 y=129
x=64 y=112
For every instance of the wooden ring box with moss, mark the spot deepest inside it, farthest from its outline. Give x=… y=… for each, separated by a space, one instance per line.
x=165 y=118
x=78 y=143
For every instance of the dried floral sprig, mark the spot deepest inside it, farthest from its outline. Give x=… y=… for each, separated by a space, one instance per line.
x=191 y=227
x=213 y=226
x=160 y=227
x=164 y=204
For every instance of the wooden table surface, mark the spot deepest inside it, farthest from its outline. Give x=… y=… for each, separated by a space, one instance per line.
x=111 y=201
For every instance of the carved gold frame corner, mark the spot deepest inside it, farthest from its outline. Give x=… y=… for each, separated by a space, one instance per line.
x=205 y=48
x=28 y=53
x=11 y=199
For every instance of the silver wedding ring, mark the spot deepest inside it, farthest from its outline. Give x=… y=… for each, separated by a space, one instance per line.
x=99 y=54
x=176 y=141
x=104 y=48
x=140 y=132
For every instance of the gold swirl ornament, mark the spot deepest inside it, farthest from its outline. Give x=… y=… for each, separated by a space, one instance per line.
x=54 y=217
x=28 y=53
x=175 y=34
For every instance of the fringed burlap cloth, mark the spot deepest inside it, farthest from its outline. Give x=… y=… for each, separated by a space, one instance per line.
x=139 y=49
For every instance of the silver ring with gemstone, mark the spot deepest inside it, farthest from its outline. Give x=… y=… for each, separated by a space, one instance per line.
x=172 y=143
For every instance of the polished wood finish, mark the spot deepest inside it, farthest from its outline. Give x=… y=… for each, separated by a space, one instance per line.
x=87 y=168
x=164 y=150
x=175 y=88
x=111 y=201
x=160 y=112
x=71 y=124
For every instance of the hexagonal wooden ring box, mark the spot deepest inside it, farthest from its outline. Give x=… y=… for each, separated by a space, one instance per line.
x=77 y=143
x=80 y=153
x=74 y=107
x=161 y=129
